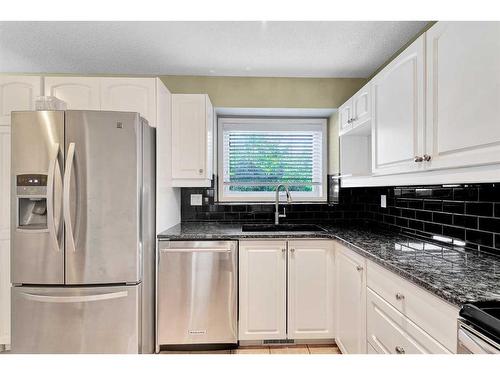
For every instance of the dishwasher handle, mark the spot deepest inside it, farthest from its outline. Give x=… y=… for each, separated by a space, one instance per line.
x=196 y=250
x=197 y=246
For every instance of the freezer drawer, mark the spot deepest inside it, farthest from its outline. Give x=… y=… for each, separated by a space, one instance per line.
x=76 y=320
x=197 y=292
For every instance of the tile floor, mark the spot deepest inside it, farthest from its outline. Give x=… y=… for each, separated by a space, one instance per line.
x=292 y=349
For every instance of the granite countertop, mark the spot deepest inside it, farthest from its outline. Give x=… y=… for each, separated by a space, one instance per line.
x=455 y=274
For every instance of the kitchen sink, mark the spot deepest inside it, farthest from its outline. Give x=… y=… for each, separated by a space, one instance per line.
x=281 y=228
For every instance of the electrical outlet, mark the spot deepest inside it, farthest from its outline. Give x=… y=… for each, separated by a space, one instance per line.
x=196 y=199
x=383 y=201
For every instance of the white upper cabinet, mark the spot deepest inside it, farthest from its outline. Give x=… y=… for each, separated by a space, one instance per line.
x=192 y=139
x=350 y=301
x=130 y=94
x=361 y=106
x=398 y=112
x=262 y=290
x=345 y=117
x=463 y=94
x=311 y=275
x=17 y=93
x=78 y=92
x=356 y=111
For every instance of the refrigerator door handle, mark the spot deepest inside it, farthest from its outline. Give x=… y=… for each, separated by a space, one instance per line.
x=51 y=224
x=66 y=192
x=74 y=299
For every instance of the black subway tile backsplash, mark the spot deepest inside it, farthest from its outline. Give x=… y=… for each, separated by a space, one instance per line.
x=477 y=237
x=469 y=213
x=479 y=208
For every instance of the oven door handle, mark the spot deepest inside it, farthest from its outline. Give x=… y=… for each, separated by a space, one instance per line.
x=473 y=343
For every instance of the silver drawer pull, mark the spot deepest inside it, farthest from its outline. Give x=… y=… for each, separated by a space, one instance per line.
x=359 y=268
x=418 y=159
x=400 y=350
x=400 y=296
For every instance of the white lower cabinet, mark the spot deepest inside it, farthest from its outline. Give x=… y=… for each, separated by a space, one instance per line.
x=310 y=289
x=350 y=301
x=262 y=290
x=433 y=315
x=390 y=332
x=263 y=299
x=370 y=349
x=377 y=311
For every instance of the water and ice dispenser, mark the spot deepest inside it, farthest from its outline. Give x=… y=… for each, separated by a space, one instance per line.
x=31 y=194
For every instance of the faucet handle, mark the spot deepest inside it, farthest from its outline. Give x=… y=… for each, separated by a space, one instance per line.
x=284 y=213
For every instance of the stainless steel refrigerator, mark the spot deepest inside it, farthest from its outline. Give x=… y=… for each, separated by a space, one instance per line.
x=82 y=222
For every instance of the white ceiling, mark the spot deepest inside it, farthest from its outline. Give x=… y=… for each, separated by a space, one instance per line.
x=281 y=49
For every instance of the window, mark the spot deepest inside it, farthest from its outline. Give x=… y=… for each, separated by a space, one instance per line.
x=257 y=154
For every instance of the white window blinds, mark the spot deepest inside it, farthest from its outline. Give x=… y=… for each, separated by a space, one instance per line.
x=259 y=154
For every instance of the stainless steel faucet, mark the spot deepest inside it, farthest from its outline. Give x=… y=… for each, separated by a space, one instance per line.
x=277 y=214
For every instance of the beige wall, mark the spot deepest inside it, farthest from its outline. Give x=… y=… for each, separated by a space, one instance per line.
x=263 y=92
x=260 y=92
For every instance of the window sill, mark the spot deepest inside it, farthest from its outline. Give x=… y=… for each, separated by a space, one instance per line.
x=261 y=203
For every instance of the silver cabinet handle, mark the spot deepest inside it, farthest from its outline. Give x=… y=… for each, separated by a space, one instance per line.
x=418 y=159
x=427 y=157
x=359 y=268
x=400 y=296
x=292 y=250
x=200 y=171
x=66 y=191
x=283 y=250
x=51 y=224
x=399 y=350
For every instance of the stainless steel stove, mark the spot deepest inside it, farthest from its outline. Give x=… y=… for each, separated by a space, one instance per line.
x=479 y=328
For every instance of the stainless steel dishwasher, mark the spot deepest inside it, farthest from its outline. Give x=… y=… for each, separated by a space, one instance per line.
x=197 y=292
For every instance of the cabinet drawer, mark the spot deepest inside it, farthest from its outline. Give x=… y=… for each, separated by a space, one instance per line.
x=390 y=332
x=370 y=349
x=436 y=317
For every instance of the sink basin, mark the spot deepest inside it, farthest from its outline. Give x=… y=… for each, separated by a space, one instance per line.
x=281 y=228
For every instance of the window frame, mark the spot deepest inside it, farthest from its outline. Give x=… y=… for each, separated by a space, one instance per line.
x=257 y=197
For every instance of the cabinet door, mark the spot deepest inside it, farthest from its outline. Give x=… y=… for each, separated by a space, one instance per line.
x=78 y=92
x=17 y=93
x=5 y=235
x=311 y=289
x=189 y=137
x=361 y=106
x=210 y=124
x=131 y=95
x=463 y=94
x=350 y=301
x=398 y=112
x=345 y=116
x=262 y=290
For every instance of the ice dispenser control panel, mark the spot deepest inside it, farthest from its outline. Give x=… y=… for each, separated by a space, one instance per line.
x=31 y=191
